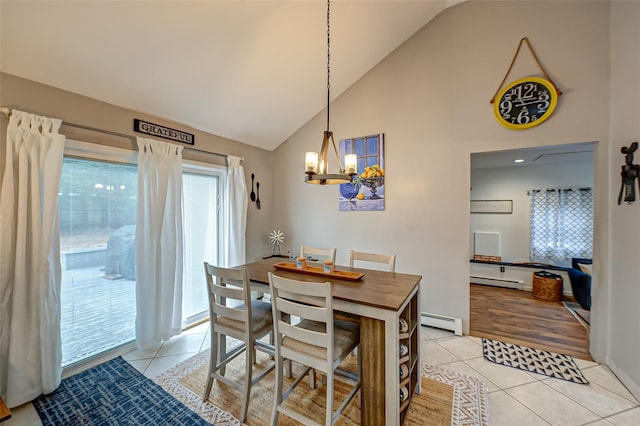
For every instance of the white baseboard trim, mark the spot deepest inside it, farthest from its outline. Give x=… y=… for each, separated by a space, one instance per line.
x=442 y=321
x=630 y=384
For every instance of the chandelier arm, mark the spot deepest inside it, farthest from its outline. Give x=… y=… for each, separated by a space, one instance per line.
x=340 y=168
x=324 y=154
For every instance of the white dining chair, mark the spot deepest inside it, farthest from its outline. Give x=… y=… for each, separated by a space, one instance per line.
x=318 y=253
x=316 y=342
x=233 y=313
x=386 y=259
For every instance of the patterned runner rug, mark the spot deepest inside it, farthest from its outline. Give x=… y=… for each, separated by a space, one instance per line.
x=551 y=364
x=113 y=393
x=447 y=398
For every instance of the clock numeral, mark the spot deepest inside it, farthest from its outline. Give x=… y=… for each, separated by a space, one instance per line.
x=543 y=97
x=523 y=117
x=505 y=107
x=529 y=89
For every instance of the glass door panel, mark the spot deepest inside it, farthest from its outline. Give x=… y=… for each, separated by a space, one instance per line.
x=201 y=225
x=97 y=240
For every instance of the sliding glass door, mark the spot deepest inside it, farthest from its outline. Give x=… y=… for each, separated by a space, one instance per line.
x=97 y=197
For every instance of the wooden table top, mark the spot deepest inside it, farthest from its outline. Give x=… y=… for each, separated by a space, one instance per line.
x=380 y=289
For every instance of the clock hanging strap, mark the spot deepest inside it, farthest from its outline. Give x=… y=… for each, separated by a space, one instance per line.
x=546 y=76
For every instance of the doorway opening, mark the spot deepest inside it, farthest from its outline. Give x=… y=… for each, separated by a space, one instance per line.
x=503 y=259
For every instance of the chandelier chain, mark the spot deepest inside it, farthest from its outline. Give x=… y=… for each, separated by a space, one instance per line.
x=328 y=61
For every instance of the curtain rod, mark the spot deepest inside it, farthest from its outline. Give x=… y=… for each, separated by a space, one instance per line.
x=7 y=112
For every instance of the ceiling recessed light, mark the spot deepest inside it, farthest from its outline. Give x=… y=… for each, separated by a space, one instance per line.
x=519 y=160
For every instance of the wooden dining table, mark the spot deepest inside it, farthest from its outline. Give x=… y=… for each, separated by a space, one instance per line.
x=379 y=299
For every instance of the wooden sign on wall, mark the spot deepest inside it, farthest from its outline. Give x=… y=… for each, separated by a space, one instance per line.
x=162 y=132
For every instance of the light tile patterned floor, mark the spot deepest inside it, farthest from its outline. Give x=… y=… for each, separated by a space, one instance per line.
x=515 y=397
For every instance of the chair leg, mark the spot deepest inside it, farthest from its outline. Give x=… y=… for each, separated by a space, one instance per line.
x=272 y=341
x=329 y=413
x=287 y=318
x=222 y=352
x=246 y=393
x=312 y=378
x=277 y=397
x=213 y=362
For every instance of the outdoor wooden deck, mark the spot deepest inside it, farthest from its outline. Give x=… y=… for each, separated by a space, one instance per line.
x=97 y=313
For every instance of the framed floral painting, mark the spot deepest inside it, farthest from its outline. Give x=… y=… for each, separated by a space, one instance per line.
x=366 y=190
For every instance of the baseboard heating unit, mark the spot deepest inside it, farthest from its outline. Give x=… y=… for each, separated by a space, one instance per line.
x=498 y=282
x=442 y=321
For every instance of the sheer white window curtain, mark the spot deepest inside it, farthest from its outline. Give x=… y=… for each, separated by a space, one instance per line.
x=30 y=273
x=236 y=214
x=159 y=243
x=561 y=224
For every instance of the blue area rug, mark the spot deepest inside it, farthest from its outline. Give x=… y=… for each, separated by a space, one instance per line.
x=113 y=393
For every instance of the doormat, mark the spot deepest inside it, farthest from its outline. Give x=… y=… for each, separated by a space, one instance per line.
x=113 y=393
x=551 y=364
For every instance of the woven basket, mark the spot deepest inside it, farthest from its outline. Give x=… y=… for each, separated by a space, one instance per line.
x=547 y=286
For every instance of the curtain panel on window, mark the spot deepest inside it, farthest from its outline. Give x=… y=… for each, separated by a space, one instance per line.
x=30 y=271
x=561 y=224
x=159 y=243
x=236 y=214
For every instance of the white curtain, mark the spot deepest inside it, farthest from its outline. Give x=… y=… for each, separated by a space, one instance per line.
x=236 y=214
x=159 y=243
x=30 y=273
x=561 y=224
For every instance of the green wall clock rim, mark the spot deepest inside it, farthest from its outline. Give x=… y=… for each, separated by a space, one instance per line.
x=553 y=101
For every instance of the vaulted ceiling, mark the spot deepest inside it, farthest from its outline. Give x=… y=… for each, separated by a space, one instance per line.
x=252 y=71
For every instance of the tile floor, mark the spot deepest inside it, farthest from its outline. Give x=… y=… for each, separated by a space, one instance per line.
x=515 y=397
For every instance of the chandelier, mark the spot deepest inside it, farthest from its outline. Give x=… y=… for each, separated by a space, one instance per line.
x=317 y=166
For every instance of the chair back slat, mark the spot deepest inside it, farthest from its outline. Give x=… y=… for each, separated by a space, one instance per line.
x=386 y=259
x=288 y=288
x=235 y=293
x=230 y=312
x=297 y=309
x=319 y=253
x=310 y=337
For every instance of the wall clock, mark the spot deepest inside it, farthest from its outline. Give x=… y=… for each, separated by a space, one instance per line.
x=525 y=103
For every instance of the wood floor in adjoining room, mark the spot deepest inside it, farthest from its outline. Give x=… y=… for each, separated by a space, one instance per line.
x=515 y=316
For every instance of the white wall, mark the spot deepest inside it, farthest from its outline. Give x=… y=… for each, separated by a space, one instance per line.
x=512 y=183
x=619 y=284
x=431 y=99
